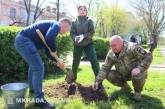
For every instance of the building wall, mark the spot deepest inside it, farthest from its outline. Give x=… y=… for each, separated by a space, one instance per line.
x=4 y=12
x=6 y=5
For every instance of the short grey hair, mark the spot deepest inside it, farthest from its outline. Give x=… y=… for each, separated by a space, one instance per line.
x=116 y=37
x=64 y=19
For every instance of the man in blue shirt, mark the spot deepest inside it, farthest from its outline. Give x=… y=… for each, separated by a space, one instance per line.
x=28 y=42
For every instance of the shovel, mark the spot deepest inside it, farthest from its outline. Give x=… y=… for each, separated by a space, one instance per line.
x=67 y=71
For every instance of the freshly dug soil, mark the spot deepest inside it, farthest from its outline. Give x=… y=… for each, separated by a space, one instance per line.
x=63 y=90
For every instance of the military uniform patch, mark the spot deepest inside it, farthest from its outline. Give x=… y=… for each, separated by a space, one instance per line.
x=141 y=51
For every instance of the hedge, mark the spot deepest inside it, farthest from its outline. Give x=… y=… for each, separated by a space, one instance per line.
x=101 y=46
x=12 y=66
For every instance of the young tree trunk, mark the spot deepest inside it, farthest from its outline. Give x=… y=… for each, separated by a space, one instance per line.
x=28 y=19
x=154 y=44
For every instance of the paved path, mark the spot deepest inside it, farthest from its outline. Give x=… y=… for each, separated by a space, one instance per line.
x=153 y=66
x=157 y=67
x=163 y=51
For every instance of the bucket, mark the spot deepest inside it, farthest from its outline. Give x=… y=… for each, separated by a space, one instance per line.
x=15 y=95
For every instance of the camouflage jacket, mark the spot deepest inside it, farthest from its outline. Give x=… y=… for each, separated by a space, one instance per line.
x=131 y=56
x=84 y=26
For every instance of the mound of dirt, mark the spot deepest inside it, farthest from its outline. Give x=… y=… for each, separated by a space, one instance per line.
x=63 y=90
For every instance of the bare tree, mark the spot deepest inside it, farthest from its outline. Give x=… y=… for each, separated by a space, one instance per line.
x=58 y=9
x=57 y=4
x=28 y=9
x=92 y=5
x=38 y=10
x=33 y=8
x=17 y=21
x=153 y=15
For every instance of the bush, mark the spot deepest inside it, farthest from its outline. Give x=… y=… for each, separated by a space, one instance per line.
x=102 y=47
x=64 y=44
x=12 y=66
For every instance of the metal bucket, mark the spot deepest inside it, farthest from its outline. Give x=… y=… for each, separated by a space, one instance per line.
x=15 y=95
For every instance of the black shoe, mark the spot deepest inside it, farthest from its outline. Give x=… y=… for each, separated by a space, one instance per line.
x=137 y=96
x=44 y=104
x=31 y=91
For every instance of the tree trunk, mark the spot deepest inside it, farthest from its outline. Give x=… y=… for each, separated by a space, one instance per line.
x=154 y=44
x=58 y=10
x=28 y=19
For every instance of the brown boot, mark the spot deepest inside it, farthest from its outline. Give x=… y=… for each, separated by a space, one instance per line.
x=137 y=96
x=126 y=88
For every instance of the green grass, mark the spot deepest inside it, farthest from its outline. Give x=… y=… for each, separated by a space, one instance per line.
x=158 y=57
x=153 y=93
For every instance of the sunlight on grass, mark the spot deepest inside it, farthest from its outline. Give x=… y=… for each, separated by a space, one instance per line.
x=153 y=93
x=1 y=101
x=158 y=57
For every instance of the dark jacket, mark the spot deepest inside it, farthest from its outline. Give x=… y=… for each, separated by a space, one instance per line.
x=82 y=25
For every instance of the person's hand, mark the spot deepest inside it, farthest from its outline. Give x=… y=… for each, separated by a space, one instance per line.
x=81 y=37
x=95 y=86
x=135 y=71
x=60 y=64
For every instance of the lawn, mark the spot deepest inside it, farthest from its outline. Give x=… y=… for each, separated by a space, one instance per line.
x=158 y=57
x=153 y=93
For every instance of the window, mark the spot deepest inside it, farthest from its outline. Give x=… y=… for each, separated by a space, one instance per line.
x=12 y=13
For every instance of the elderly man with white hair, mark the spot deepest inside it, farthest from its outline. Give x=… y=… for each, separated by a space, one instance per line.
x=131 y=63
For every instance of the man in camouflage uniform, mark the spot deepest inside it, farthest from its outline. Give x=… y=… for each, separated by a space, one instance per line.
x=131 y=62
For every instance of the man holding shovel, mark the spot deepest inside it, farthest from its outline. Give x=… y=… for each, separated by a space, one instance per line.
x=29 y=41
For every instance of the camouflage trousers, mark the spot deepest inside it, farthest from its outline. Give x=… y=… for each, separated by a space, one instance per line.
x=118 y=79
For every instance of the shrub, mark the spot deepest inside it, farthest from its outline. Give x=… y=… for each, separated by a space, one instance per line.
x=64 y=44
x=102 y=47
x=11 y=64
